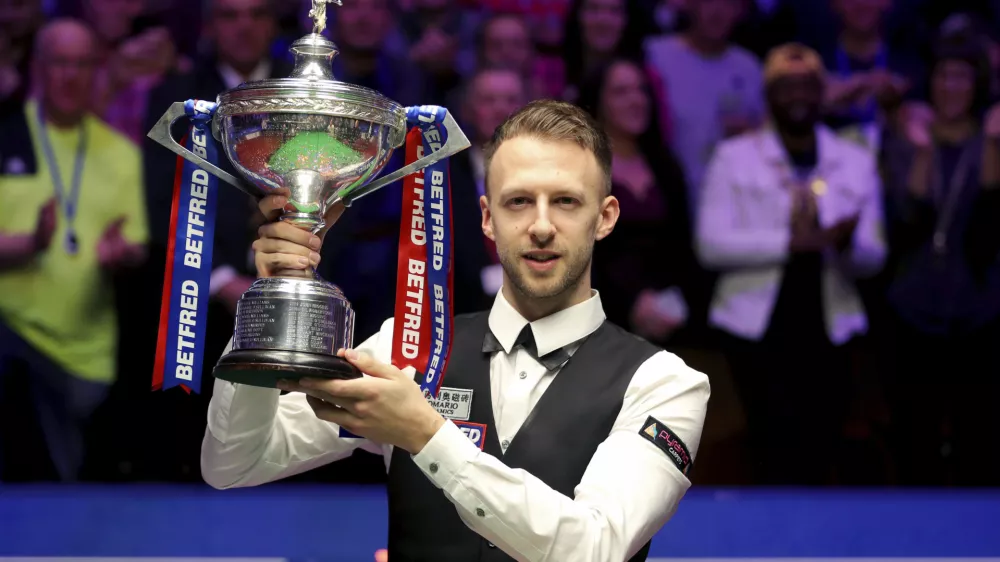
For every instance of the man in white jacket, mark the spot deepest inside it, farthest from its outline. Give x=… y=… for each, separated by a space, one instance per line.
x=790 y=216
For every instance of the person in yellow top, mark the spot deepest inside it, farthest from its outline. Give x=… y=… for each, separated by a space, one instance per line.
x=64 y=227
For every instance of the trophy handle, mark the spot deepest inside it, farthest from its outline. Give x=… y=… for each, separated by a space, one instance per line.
x=457 y=142
x=161 y=133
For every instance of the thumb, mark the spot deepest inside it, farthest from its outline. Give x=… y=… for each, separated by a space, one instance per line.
x=368 y=365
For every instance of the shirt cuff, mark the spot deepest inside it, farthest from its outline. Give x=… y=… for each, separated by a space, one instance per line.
x=236 y=410
x=445 y=455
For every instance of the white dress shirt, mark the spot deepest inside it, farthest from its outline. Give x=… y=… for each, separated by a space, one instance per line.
x=744 y=229
x=629 y=490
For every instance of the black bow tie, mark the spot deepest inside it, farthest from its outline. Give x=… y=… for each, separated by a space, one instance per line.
x=526 y=339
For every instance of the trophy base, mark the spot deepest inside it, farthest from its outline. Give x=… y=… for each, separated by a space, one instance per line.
x=264 y=368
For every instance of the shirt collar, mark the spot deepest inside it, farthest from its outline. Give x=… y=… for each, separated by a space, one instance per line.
x=231 y=78
x=551 y=332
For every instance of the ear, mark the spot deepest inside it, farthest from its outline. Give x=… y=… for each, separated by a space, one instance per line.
x=484 y=207
x=608 y=218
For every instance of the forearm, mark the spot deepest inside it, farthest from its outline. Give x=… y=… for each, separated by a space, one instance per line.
x=529 y=520
x=16 y=250
x=722 y=238
x=255 y=436
x=630 y=488
x=738 y=248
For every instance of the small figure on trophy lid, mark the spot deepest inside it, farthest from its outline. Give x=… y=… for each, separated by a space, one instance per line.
x=318 y=14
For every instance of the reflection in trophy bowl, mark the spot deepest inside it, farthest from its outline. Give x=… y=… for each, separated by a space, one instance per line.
x=311 y=155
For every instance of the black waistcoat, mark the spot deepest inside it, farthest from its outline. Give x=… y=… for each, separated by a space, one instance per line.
x=555 y=444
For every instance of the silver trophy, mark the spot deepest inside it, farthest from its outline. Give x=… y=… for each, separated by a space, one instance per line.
x=325 y=142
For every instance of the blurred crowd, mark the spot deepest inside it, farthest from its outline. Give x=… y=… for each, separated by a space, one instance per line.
x=852 y=353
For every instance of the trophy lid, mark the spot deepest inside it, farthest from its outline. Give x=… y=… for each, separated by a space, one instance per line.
x=312 y=89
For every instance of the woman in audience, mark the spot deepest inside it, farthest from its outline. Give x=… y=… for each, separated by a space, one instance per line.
x=943 y=180
x=596 y=32
x=645 y=269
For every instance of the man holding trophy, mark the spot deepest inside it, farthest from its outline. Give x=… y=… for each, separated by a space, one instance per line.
x=533 y=431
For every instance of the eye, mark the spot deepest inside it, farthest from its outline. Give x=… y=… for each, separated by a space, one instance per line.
x=565 y=201
x=517 y=202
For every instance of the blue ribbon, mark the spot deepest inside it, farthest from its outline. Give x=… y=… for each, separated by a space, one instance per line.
x=193 y=234
x=437 y=226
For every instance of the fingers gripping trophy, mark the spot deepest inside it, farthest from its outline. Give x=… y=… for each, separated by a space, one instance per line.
x=316 y=140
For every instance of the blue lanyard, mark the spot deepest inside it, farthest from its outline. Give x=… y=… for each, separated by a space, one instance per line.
x=67 y=201
x=866 y=113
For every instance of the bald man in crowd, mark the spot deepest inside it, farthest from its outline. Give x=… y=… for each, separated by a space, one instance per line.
x=71 y=215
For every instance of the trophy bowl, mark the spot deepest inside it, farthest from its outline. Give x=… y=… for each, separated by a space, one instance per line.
x=309 y=156
x=317 y=139
x=319 y=142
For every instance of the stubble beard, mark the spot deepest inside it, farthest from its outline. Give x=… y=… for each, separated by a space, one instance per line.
x=574 y=267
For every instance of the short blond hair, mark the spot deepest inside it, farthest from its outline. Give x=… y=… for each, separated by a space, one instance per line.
x=554 y=121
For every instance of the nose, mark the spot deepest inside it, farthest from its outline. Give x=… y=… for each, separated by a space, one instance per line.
x=542 y=229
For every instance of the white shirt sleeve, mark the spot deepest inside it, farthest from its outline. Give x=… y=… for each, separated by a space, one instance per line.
x=255 y=435
x=721 y=240
x=630 y=488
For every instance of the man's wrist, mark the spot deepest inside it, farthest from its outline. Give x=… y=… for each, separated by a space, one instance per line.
x=424 y=430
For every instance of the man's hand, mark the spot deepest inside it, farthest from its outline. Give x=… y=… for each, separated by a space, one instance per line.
x=846 y=92
x=991 y=123
x=230 y=294
x=649 y=319
x=917 y=122
x=815 y=239
x=284 y=250
x=842 y=233
x=807 y=236
x=45 y=227
x=886 y=86
x=386 y=406
x=114 y=252
x=18 y=250
x=806 y=240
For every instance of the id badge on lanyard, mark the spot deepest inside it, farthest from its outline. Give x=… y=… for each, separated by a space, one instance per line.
x=68 y=200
